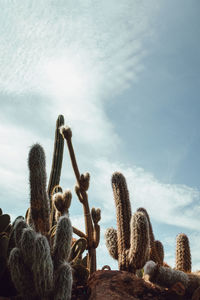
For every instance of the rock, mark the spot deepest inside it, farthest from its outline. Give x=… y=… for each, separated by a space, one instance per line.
x=120 y=285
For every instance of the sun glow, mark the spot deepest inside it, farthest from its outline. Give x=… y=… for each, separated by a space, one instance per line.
x=66 y=78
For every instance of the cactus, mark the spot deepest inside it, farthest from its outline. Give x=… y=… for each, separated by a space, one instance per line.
x=39 y=202
x=61 y=203
x=139 y=241
x=91 y=225
x=56 y=167
x=63 y=282
x=163 y=276
x=167 y=277
x=62 y=241
x=132 y=245
x=183 y=257
x=159 y=251
x=57 y=157
x=37 y=270
x=111 y=242
x=153 y=252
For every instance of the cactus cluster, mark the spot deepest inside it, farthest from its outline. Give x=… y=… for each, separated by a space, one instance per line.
x=132 y=244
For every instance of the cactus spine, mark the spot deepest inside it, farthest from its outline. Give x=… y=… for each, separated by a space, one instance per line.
x=132 y=245
x=183 y=256
x=39 y=201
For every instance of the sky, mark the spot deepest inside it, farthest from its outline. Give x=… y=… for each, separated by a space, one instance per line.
x=125 y=75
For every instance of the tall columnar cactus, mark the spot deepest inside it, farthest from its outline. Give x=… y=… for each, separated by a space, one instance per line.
x=39 y=201
x=183 y=256
x=54 y=178
x=56 y=167
x=91 y=218
x=132 y=245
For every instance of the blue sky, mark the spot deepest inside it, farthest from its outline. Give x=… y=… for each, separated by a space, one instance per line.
x=125 y=74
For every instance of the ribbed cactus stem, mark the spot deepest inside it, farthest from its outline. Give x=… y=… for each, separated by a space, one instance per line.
x=42 y=266
x=39 y=201
x=183 y=256
x=123 y=212
x=54 y=178
x=62 y=241
x=139 y=240
x=63 y=282
x=111 y=242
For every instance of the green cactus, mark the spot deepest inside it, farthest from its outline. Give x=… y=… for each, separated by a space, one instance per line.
x=39 y=202
x=183 y=256
x=132 y=245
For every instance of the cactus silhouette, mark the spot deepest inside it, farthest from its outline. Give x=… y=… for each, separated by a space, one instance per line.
x=183 y=256
x=39 y=202
x=132 y=245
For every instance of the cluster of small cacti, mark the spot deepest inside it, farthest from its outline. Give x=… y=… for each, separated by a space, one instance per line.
x=134 y=246
x=133 y=243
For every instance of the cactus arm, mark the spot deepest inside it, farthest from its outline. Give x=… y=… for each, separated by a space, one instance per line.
x=20 y=274
x=63 y=282
x=78 y=232
x=160 y=251
x=96 y=217
x=67 y=134
x=42 y=267
x=54 y=178
x=39 y=201
x=62 y=241
x=123 y=212
x=111 y=242
x=153 y=253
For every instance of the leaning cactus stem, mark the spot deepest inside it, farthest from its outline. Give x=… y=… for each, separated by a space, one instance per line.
x=81 y=191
